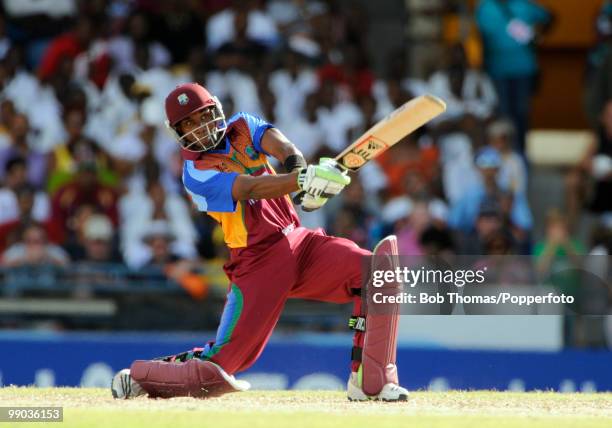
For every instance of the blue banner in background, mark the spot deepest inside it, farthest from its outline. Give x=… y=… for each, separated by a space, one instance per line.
x=311 y=361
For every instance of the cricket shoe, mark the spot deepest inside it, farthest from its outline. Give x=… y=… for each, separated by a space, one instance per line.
x=389 y=392
x=124 y=387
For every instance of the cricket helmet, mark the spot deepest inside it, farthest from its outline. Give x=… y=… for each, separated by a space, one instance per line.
x=190 y=98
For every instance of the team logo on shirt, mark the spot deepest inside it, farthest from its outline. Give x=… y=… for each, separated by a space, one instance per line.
x=183 y=99
x=251 y=153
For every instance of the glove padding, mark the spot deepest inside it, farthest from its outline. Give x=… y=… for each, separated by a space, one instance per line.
x=312 y=203
x=324 y=180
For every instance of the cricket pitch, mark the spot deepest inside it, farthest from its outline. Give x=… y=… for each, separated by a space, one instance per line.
x=95 y=408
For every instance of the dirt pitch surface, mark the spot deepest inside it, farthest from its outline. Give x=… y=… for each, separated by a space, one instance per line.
x=94 y=408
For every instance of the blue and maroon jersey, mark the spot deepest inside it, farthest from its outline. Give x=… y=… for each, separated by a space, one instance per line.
x=208 y=178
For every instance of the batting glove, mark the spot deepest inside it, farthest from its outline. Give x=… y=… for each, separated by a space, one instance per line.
x=326 y=179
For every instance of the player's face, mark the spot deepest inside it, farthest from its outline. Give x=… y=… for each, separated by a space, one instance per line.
x=201 y=130
x=193 y=123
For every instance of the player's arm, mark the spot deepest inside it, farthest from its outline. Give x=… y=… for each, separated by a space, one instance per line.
x=277 y=145
x=322 y=179
x=273 y=143
x=264 y=187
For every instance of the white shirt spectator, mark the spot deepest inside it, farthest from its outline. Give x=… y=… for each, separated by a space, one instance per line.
x=45 y=116
x=307 y=136
x=9 y=207
x=513 y=174
x=237 y=86
x=22 y=90
x=478 y=96
x=380 y=92
x=121 y=49
x=260 y=28
x=290 y=94
x=136 y=210
x=373 y=178
x=458 y=170
x=117 y=112
x=337 y=123
x=130 y=147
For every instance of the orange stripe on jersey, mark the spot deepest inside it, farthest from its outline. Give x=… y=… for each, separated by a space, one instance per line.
x=233 y=225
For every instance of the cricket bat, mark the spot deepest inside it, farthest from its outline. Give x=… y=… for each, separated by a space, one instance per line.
x=390 y=130
x=386 y=133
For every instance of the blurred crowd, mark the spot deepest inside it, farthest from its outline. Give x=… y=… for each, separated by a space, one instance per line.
x=88 y=172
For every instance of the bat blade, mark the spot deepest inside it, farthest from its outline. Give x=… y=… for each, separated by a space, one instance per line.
x=395 y=126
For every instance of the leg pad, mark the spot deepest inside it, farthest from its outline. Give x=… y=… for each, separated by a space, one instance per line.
x=193 y=378
x=380 y=343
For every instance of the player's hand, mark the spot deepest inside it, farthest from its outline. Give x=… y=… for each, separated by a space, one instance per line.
x=311 y=203
x=326 y=179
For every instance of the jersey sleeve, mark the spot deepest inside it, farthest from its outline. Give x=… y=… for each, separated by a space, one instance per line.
x=209 y=190
x=257 y=127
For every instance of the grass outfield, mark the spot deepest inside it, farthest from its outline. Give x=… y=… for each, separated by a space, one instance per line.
x=94 y=408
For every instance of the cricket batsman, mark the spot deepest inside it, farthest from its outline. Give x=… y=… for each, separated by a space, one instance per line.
x=272 y=258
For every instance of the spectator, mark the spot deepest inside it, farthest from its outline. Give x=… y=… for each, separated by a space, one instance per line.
x=178 y=27
x=34 y=250
x=21 y=145
x=596 y=164
x=72 y=44
x=85 y=190
x=596 y=168
x=352 y=74
x=410 y=162
x=163 y=260
x=436 y=240
x=346 y=225
x=471 y=101
x=231 y=82
x=598 y=91
x=558 y=264
x=410 y=231
x=603 y=27
x=465 y=90
x=7 y=111
x=123 y=48
x=304 y=130
x=294 y=78
x=464 y=212
x=20 y=208
x=509 y=29
x=97 y=244
x=489 y=222
x=17 y=83
x=501 y=266
x=145 y=152
x=559 y=249
x=138 y=211
x=75 y=149
x=259 y=27
x=354 y=204
x=337 y=119
x=12 y=205
x=293 y=19
x=158 y=238
x=512 y=173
